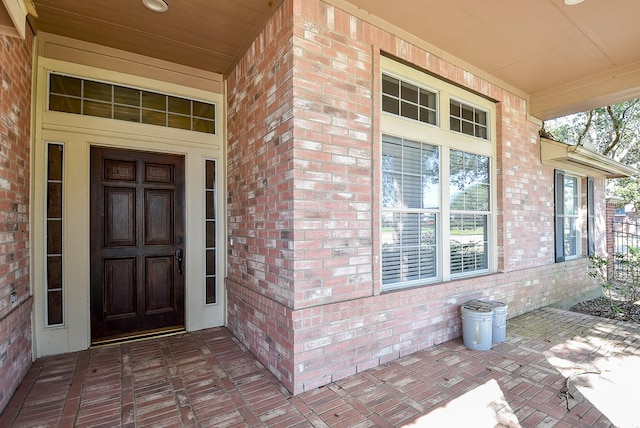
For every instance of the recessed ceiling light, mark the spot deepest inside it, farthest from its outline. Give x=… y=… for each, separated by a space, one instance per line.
x=156 y=5
x=572 y=2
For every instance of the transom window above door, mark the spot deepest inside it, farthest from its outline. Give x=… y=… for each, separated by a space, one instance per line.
x=92 y=98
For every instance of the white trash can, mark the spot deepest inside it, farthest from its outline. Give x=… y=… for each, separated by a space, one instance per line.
x=477 y=321
x=499 y=328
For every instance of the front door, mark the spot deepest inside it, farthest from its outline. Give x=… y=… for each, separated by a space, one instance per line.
x=137 y=242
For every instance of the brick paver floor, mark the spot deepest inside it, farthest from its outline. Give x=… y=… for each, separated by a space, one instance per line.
x=208 y=378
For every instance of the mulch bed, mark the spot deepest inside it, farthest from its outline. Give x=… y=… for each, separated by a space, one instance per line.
x=615 y=309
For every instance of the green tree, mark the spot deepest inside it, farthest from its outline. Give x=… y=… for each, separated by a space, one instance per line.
x=613 y=131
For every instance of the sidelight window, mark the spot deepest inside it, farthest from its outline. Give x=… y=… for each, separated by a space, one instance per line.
x=55 y=181
x=210 y=233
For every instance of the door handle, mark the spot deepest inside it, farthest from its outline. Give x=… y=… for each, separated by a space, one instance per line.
x=179 y=257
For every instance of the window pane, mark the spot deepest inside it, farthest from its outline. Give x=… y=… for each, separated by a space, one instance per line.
x=390 y=105
x=467 y=113
x=180 y=122
x=454 y=109
x=203 y=125
x=481 y=117
x=455 y=124
x=409 y=110
x=154 y=117
x=204 y=110
x=54 y=272
x=154 y=101
x=210 y=178
x=390 y=86
x=64 y=104
x=54 y=200
x=130 y=114
x=570 y=237
x=467 y=128
x=412 y=177
x=211 y=262
x=409 y=249
x=179 y=105
x=127 y=96
x=409 y=92
x=427 y=99
x=430 y=177
x=97 y=91
x=211 y=213
x=469 y=182
x=570 y=196
x=54 y=170
x=211 y=290
x=65 y=85
x=54 y=307
x=481 y=131
x=96 y=109
x=468 y=245
x=427 y=116
x=211 y=234
x=54 y=238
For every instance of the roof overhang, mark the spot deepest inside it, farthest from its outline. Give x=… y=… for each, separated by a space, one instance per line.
x=583 y=161
x=13 y=17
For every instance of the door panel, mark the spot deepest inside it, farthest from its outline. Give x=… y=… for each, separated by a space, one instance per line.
x=120 y=217
x=137 y=225
x=120 y=291
x=158 y=206
x=159 y=286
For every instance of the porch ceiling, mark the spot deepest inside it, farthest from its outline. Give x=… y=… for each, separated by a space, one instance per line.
x=562 y=58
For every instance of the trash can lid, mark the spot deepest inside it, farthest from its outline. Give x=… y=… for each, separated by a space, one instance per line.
x=478 y=306
x=494 y=304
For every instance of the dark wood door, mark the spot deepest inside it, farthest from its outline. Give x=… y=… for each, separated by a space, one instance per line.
x=137 y=237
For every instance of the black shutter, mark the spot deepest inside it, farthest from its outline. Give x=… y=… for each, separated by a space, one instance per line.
x=591 y=217
x=559 y=203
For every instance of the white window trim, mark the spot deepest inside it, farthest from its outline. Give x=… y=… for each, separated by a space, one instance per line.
x=440 y=135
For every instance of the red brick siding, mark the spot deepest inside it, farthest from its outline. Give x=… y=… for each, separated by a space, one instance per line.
x=15 y=122
x=333 y=146
x=260 y=281
x=304 y=280
x=334 y=341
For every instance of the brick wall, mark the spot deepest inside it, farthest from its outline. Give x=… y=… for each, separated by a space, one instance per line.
x=15 y=122
x=304 y=273
x=260 y=180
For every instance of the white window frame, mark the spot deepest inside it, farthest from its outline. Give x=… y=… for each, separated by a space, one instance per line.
x=446 y=140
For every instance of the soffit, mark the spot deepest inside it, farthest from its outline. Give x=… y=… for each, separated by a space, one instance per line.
x=563 y=59
x=203 y=34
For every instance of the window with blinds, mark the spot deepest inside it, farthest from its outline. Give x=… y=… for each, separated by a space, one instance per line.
x=437 y=219
x=469 y=189
x=410 y=210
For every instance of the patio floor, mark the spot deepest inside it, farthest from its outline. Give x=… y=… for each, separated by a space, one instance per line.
x=207 y=378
